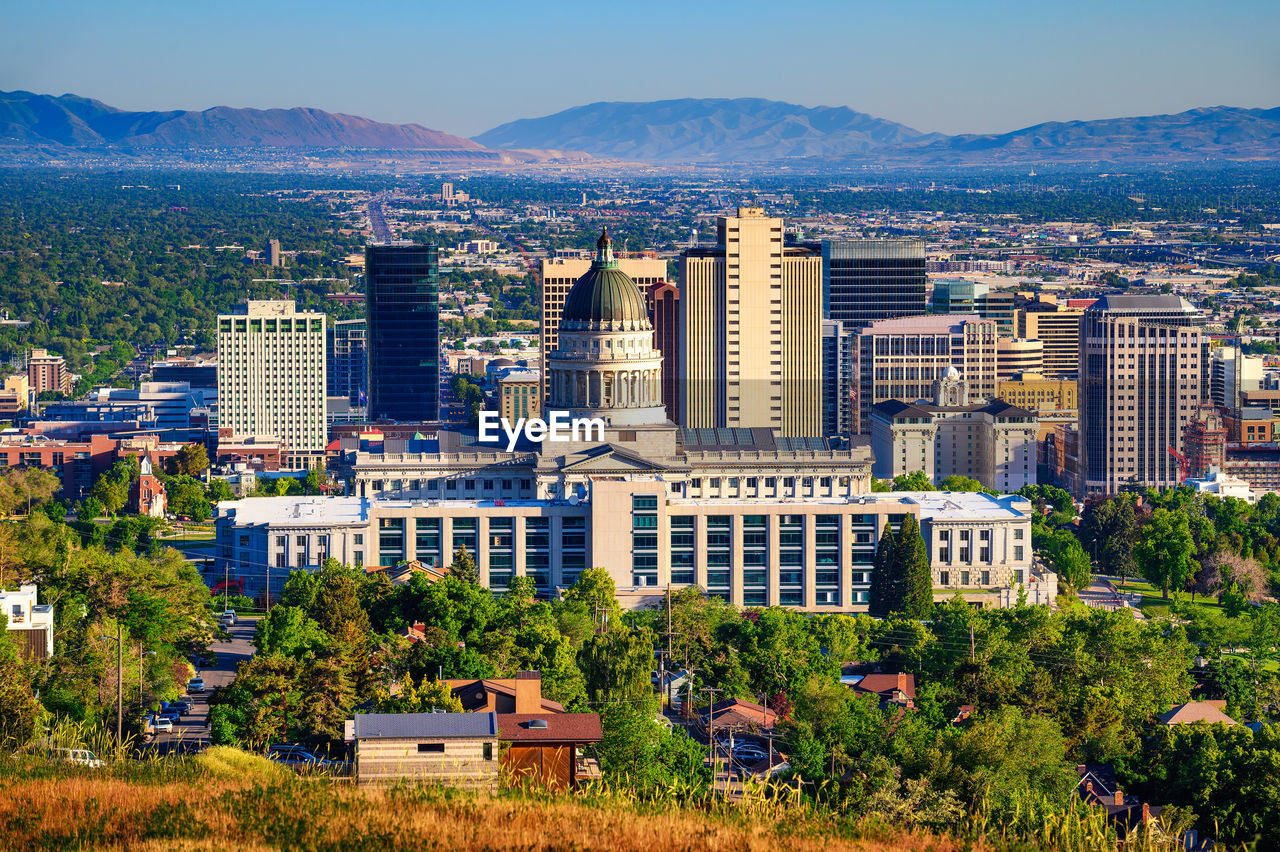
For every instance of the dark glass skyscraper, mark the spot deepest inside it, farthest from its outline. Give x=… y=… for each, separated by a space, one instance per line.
x=868 y=280
x=402 y=301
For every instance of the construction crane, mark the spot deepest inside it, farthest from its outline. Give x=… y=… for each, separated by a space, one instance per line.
x=1184 y=466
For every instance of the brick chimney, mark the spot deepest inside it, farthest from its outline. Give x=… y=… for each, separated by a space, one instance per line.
x=528 y=692
x=1118 y=798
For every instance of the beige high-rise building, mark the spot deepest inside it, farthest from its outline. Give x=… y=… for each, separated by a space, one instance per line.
x=1058 y=328
x=47 y=372
x=900 y=359
x=1015 y=356
x=1143 y=375
x=560 y=274
x=271 y=378
x=750 y=330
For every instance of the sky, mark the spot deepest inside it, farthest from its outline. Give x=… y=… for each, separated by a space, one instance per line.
x=465 y=67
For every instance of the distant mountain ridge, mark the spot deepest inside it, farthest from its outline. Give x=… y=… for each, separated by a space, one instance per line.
x=706 y=129
x=754 y=130
x=69 y=120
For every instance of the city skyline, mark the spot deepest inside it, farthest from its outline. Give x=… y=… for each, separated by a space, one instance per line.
x=1053 y=68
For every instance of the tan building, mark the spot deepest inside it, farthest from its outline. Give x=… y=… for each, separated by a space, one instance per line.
x=14 y=397
x=750 y=330
x=1036 y=392
x=1144 y=364
x=994 y=443
x=1016 y=355
x=900 y=359
x=458 y=749
x=520 y=395
x=1058 y=328
x=47 y=372
x=271 y=378
x=558 y=277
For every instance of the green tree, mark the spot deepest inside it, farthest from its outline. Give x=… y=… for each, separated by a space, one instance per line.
x=287 y=630
x=884 y=592
x=960 y=483
x=220 y=490
x=617 y=664
x=1065 y=556
x=595 y=590
x=917 y=480
x=424 y=697
x=464 y=566
x=913 y=571
x=1166 y=551
x=190 y=460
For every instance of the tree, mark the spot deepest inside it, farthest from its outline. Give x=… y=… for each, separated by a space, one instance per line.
x=1065 y=556
x=960 y=483
x=1166 y=551
x=287 y=630
x=883 y=580
x=913 y=571
x=596 y=591
x=464 y=566
x=424 y=697
x=220 y=490
x=618 y=664
x=90 y=508
x=917 y=480
x=190 y=460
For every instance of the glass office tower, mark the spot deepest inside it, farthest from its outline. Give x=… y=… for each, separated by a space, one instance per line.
x=868 y=280
x=347 y=360
x=402 y=301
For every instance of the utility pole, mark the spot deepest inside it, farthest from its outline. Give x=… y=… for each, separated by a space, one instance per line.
x=119 y=682
x=972 y=648
x=711 y=723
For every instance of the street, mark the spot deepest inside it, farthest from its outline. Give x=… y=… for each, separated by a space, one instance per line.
x=193 y=730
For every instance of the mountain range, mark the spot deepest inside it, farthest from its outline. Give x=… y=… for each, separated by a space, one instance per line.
x=707 y=131
x=753 y=130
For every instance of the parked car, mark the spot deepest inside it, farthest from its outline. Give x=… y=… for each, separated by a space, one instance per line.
x=162 y=725
x=78 y=756
x=183 y=707
x=298 y=758
x=196 y=685
x=749 y=755
x=228 y=618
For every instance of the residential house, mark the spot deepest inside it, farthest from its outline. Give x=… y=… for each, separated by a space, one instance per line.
x=1197 y=711
x=1097 y=786
x=738 y=715
x=459 y=749
x=546 y=748
x=520 y=694
x=891 y=688
x=29 y=624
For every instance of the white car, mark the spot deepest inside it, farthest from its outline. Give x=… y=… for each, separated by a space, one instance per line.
x=78 y=756
x=161 y=725
x=196 y=684
x=229 y=618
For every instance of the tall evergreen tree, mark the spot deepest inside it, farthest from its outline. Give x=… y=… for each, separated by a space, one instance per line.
x=464 y=566
x=914 y=578
x=883 y=574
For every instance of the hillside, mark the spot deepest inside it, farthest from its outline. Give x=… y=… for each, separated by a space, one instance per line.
x=706 y=129
x=29 y=119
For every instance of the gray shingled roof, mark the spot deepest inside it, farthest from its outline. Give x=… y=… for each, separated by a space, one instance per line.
x=425 y=725
x=1148 y=302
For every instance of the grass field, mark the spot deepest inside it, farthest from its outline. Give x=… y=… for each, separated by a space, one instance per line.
x=227 y=803
x=1153 y=604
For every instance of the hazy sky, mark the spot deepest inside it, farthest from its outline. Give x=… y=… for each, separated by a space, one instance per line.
x=463 y=67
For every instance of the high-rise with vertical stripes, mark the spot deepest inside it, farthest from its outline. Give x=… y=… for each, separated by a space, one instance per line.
x=750 y=333
x=271 y=378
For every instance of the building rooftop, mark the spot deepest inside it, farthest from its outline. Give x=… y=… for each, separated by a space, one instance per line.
x=923 y=324
x=425 y=725
x=554 y=727
x=305 y=511
x=1151 y=302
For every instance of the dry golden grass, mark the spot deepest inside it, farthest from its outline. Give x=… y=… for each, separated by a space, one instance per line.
x=84 y=811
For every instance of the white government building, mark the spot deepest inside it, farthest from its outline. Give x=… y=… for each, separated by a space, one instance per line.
x=746 y=514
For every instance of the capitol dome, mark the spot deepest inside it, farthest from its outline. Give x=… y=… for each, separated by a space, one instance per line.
x=605 y=298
